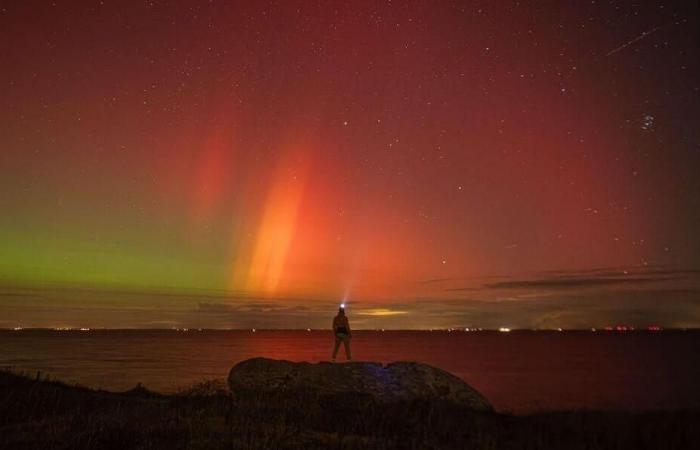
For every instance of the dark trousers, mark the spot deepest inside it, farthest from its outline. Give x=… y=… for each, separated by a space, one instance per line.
x=345 y=339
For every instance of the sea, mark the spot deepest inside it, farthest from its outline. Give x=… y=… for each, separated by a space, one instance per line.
x=519 y=371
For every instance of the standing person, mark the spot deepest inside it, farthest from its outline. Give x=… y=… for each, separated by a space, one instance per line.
x=341 y=329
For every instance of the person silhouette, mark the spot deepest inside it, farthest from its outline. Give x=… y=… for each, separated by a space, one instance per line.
x=341 y=330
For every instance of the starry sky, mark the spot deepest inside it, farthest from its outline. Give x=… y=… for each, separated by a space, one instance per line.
x=432 y=163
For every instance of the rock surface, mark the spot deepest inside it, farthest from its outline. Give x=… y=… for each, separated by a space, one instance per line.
x=395 y=382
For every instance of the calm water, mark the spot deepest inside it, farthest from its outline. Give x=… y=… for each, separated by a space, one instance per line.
x=517 y=371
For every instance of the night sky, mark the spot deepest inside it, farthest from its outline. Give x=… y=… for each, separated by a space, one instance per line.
x=434 y=164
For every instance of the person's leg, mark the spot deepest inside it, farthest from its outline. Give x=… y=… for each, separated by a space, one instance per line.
x=346 y=343
x=337 y=346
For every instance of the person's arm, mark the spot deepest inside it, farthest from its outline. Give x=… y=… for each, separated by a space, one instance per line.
x=334 y=326
x=347 y=326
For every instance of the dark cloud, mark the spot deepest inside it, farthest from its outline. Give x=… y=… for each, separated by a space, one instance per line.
x=214 y=308
x=463 y=289
x=623 y=271
x=220 y=308
x=598 y=277
x=434 y=280
x=14 y=294
x=563 y=282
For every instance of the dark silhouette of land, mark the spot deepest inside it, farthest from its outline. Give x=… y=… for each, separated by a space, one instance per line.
x=39 y=413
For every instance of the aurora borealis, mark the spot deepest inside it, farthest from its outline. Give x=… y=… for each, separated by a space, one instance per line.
x=238 y=164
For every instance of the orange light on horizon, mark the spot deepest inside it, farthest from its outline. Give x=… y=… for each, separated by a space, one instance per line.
x=380 y=312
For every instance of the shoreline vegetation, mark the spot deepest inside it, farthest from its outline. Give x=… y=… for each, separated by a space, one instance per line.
x=41 y=413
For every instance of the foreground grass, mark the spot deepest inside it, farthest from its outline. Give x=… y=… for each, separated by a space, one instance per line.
x=52 y=415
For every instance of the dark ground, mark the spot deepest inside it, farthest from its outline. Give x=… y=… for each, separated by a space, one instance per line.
x=51 y=415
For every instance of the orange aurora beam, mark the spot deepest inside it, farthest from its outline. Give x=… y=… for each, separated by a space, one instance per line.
x=262 y=267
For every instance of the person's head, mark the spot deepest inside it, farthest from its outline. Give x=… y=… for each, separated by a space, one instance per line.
x=341 y=310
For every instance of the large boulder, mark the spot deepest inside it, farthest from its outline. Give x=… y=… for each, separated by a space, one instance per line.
x=393 y=383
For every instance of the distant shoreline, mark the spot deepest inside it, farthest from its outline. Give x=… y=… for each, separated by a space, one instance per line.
x=446 y=330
